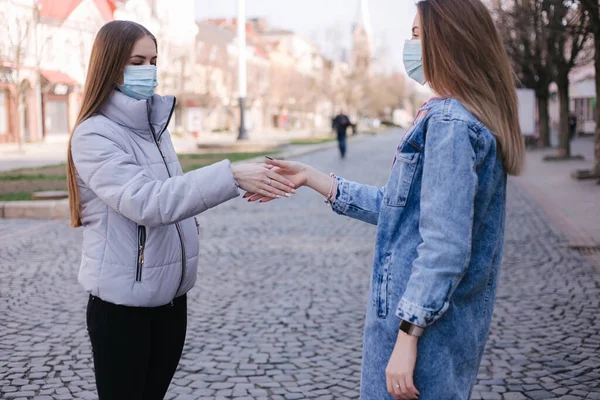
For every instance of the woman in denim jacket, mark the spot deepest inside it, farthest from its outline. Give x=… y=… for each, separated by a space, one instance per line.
x=441 y=216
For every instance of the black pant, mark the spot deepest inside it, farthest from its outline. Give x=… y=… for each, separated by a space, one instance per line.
x=342 y=143
x=136 y=350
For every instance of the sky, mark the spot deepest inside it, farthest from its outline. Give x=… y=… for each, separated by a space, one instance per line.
x=328 y=23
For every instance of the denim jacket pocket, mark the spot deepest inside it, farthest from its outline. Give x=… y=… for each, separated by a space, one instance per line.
x=401 y=179
x=381 y=286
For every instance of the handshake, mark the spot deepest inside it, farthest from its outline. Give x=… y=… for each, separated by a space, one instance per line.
x=277 y=179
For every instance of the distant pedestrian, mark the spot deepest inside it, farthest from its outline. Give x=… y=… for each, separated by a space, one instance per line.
x=137 y=207
x=572 y=125
x=441 y=216
x=340 y=125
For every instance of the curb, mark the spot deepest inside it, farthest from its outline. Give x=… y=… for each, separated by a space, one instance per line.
x=313 y=148
x=35 y=209
x=59 y=209
x=577 y=239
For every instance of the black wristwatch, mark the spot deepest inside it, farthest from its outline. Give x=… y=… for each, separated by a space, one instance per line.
x=411 y=329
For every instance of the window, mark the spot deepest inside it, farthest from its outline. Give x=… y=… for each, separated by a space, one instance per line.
x=154 y=8
x=3 y=113
x=588 y=108
x=50 y=50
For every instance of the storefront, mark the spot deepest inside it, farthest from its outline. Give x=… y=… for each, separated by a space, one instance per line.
x=58 y=103
x=4 y=105
x=8 y=107
x=582 y=92
x=199 y=113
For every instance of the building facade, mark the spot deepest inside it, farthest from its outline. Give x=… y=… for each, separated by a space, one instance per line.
x=44 y=51
x=362 y=41
x=45 y=47
x=582 y=99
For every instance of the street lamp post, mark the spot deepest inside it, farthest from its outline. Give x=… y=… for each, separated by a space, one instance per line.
x=242 y=84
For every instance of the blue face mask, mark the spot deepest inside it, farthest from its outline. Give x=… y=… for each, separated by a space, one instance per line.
x=413 y=60
x=139 y=81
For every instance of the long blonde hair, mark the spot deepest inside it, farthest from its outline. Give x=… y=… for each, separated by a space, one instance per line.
x=464 y=58
x=111 y=51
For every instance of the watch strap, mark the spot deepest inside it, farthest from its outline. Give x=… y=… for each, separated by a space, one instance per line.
x=411 y=329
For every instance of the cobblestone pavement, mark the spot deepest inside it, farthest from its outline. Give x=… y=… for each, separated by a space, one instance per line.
x=279 y=307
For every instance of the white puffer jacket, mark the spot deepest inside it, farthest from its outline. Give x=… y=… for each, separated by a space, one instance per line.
x=140 y=241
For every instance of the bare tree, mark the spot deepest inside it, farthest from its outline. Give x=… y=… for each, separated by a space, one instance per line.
x=523 y=29
x=568 y=31
x=17 y=28
x=176 y=57
x=592 y=8
x=25 y=41
x=280 y=90
x=385 y=92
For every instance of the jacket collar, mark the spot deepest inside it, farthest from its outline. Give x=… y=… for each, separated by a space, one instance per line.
x=134 y=114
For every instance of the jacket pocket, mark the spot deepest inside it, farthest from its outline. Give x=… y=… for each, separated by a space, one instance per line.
x=197 y=225
x=381 y=287
x=401 y=179
x=140 y=253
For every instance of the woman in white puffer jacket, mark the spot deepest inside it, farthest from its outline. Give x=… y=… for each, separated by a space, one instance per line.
x=128 y=191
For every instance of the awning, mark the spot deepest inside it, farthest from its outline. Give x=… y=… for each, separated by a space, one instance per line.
x=57 y=77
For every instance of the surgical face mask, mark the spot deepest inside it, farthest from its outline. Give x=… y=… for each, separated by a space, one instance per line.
x=413 y=60
x=139 y=81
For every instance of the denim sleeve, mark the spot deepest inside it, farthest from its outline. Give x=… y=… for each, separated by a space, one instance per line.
x=447 y=205
x=361 y=202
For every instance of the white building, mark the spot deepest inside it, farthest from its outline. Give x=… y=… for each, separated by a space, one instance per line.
x=44 y=53
x=174 y=26
x=582 y=96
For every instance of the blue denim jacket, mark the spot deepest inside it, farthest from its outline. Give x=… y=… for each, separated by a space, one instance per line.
x=438 y=249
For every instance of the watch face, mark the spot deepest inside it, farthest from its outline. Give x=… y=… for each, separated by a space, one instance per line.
x=411 y=329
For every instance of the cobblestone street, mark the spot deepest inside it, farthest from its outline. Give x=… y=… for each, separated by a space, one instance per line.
x=278 y=309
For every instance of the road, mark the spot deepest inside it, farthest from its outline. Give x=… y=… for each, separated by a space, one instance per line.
x=279 y=306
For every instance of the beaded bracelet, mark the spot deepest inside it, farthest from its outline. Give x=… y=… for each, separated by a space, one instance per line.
x=328 y=199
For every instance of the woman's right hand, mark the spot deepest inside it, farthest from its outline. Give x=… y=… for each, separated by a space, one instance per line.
x=301 y=175
x=262 y=180
x=295 y=172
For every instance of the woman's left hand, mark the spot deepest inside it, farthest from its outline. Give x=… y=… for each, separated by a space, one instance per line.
x=295 y=172
x=262 y=180
x=401 y=367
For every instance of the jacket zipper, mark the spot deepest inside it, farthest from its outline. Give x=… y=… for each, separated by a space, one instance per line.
x=140 y=254
x=157 y=143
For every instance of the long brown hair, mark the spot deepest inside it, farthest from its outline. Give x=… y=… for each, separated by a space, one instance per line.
x=464 y=58
x=111 y=51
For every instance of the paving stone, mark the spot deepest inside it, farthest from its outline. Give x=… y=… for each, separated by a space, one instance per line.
x=15 y=395
x=298 y=278
x=539 y=394
x=560 y=391
x=491 y=396
x=513 y=396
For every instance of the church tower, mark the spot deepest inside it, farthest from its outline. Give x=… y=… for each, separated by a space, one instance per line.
x=362 y=51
